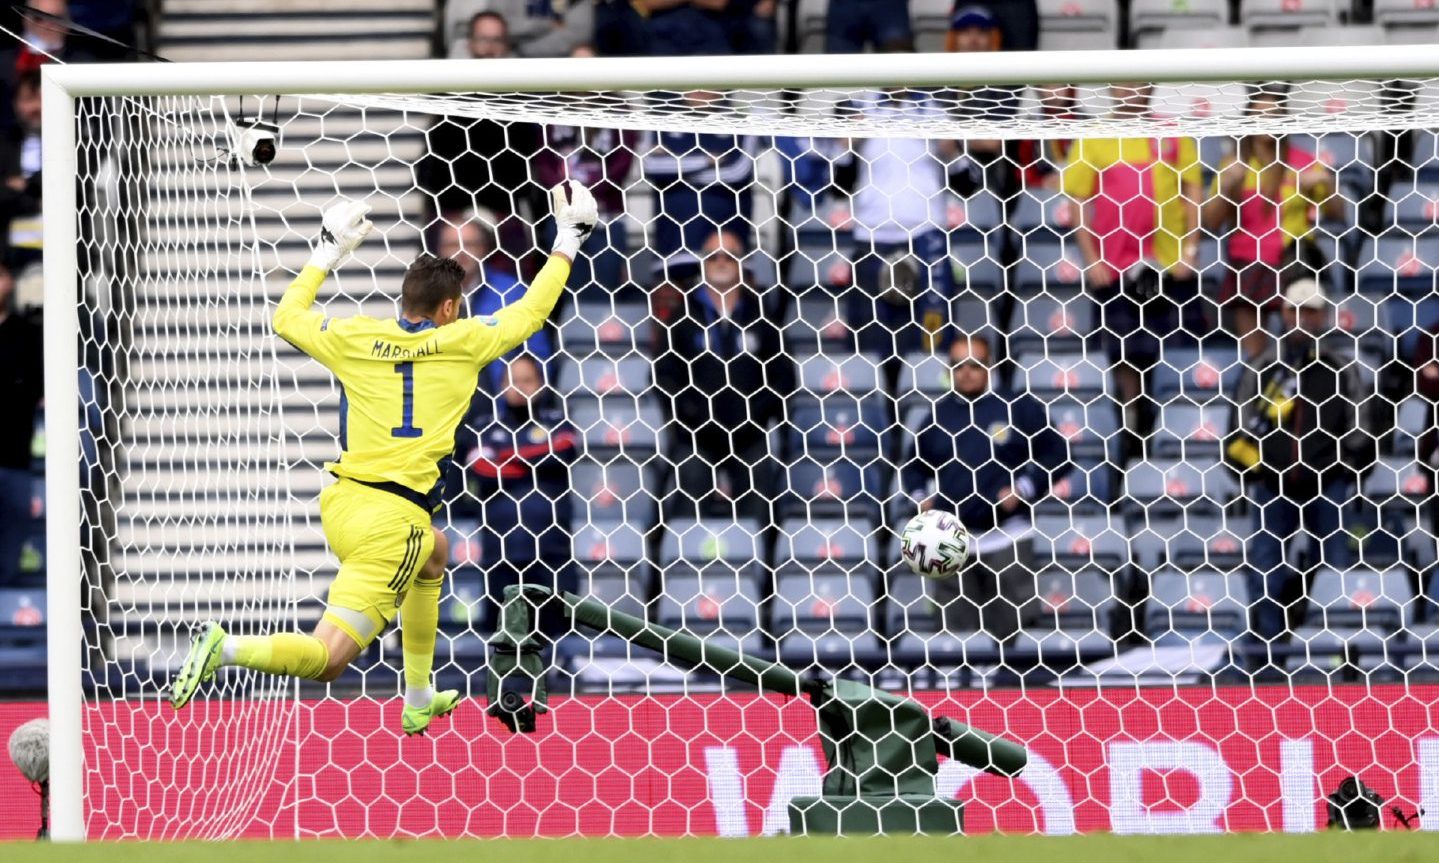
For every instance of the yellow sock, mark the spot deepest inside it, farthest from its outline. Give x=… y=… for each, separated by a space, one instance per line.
x=419 y=619
x=286 y=653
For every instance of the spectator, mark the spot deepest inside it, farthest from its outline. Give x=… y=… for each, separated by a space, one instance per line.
x=521 y=463
x=480 y=163
x=1041 y=160
x=601 y=159
x=546 y=28
x=899 y=199
x=1426 y=385
x=469 y=238
x=1016 y=23
x=988 y=456
x=701 y=184
x=853 y=25
x=22 y=385
x=723 y=374
x=20 y=194
x=1299 y=447
x=1139 y=210
x=620 y=29
x=995 y=163
x=1270 y=194
x=681 y=28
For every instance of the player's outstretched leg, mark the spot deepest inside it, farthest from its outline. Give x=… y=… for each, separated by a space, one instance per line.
x=322 y=656
x=420 y=619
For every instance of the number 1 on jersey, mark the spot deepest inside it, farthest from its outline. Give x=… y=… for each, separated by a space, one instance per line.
x=406 y=371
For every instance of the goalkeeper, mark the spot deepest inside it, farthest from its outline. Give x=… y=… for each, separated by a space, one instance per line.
x=406 y=385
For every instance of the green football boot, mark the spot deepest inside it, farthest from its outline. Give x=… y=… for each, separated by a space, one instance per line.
x=199 y=665
x=416 y=719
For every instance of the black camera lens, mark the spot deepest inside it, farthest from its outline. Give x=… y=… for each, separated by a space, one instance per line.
x=265 y=151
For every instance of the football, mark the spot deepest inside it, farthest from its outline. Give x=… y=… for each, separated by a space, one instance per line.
x=935 y=545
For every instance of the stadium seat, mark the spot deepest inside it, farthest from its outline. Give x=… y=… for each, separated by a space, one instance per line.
x=1264 y=17
x=1426 y=155
x=1167 y=488
x=1042 y=214
x=1090 y=425
x=837 y=427
x=1401 y=15
x=849 y=373
x=1078 y=23
x=1150 y=19
x=1404 y=319
x=1048 y=375
x=614 y=329
x=1211 y=37
x=823 y=619
x=703 y=542
x=721 y=606
x=22 y=640
x=923 y=379
x=1412 y=207
x=1083 y=492
x=612 y=492
x=975 y=265
x=806 y=543
x=1079 y=542
x=617 y=425
x=603 y=376
x=1203 y=542
x=975 y=218
x=819 y=324
x=1396 y=482
x=816 y=488
x=1356 y=326
x=1361 y=612
x=616 y=590
x=914 y=633
x=1413 y=421
x=1196 y=605
x=1073 y=621
x=1193 y=432
x=1046 y=265
x=1196 y=376
x=1056 y=321
x=608 y=548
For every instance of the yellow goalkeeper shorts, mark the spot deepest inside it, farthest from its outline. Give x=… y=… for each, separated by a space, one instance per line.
x=382 y=541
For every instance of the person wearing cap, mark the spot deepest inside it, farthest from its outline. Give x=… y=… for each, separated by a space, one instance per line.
x=1299 y=446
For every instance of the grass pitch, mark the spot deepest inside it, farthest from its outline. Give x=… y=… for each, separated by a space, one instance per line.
x=1098 y=848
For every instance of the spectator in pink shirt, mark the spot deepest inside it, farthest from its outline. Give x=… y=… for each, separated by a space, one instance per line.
x=1269 y=197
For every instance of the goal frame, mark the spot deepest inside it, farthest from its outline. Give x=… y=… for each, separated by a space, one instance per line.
x=61 y=86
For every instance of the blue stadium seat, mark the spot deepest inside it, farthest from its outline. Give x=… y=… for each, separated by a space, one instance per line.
x=1047 y=375
x=609 y=547
x=1167 y=487
x=22 y=640
x=1056 y=321
x=1356 y=326
x=1073 y=622
x=1046 y=265
x=1360 y=610
x=703 y=542
x=1412 y=207
x=1396 y=481
x=721 y=606
x=823 y=619
x=810 y=543
x=604 y=376
x=1405 y=320
x=1398 y=263
x=1196 y=376
x=816 y=488
x=617 y=425
x=975 y=264
x=1080 y=542
x=1043 y=214
x=611 y=492
x=614 y=329
x=618 y=591
x=809 y=268
x=841 y=426
x=976 y=217
x=914 y=633
x=826 y=373
x=819 y=325
x=923 y=379
x=1197 y=605
x=1187 y=431
x=1090 y=425
x=1426 y=155
x=1203 y=542
x=1083 y=492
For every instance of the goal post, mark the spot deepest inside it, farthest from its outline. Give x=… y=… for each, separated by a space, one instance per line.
x=497 y=89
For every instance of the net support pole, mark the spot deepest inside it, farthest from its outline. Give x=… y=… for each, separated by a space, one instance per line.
x=64 y=572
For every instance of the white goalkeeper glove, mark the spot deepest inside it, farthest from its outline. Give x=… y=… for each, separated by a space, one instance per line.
x=576 y=215
x=343 y=227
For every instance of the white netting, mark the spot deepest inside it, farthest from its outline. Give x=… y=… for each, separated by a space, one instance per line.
x=872 y=228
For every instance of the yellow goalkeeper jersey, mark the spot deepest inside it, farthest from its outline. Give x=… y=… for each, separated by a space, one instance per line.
x=405 y=387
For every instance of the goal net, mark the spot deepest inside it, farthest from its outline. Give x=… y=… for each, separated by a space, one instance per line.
x=1166 y=350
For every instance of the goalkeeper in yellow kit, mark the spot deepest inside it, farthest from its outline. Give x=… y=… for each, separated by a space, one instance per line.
x=405 y=386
